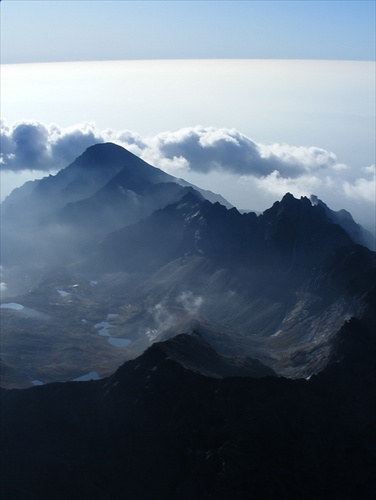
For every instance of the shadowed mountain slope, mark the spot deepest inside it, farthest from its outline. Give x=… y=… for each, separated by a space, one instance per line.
x=345 y=220
x=291 y=234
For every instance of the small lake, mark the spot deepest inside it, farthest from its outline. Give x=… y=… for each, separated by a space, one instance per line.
x=118 y=342
x=87 y=376
x=104 y=331
x=103 y=328
x=12 y=305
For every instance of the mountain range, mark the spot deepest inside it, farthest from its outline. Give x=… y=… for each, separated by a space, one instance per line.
x=231 y=354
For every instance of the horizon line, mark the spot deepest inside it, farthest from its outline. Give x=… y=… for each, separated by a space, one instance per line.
x=164 y=59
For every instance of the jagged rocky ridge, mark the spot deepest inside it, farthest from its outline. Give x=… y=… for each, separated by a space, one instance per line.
x=285 y=281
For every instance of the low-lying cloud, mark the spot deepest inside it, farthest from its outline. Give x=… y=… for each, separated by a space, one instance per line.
x=190 y=302
x=3 y=285
x=272 y=169
x=34 y=146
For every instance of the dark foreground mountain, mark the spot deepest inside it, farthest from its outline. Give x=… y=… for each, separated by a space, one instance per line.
x=181 y=422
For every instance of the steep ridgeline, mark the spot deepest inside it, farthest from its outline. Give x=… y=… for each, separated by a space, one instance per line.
x=345 y=220
x=293 y=234
x=181 y=422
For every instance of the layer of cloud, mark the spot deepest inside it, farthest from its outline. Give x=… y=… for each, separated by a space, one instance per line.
x=35 y=146
x=363 y=187
x=3 y=285
x=190 y=302
x=206 y=149
x=272 y=169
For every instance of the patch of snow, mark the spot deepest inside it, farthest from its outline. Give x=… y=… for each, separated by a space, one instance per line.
x=152 y=334
x=87 y=376
x=188 y=218
x=63 y=293
x=36 y=382
x=112 y=315
x=12 y=305
x=93 y=282
x=118 y=342
x=276 y=333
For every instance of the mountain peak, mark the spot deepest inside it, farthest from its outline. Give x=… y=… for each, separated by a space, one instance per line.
x=192 y=353
x=191 y=197
x=106 y=146
x=105 y=152
x=290 y=200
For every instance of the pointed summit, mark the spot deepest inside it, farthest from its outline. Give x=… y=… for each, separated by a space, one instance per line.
x=102 y=152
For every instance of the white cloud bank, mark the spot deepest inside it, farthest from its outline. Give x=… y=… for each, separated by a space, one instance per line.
x=34 y=146
x=269 y=169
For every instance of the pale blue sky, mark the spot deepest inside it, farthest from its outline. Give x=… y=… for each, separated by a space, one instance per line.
x=48 y=31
